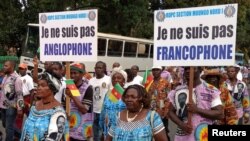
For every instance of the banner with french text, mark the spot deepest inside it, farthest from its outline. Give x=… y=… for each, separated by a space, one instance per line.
x=68 y=36
x=200 y=36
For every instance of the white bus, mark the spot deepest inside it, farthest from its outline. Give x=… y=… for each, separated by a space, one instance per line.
x=112 y=48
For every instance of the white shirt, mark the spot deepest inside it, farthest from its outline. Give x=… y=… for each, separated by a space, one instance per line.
x=100 y=89
x=58 y=95
x=28 y=84
x=137 y=80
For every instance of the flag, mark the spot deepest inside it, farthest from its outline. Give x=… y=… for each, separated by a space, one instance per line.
x=147 y=79
x=38 y=50
x=116 y=93
x=72 y=87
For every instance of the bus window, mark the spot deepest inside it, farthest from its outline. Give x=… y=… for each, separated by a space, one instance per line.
x=102 y=47
x=143 y=50
x=130 y=49
x=151 y=51
x=115 y=48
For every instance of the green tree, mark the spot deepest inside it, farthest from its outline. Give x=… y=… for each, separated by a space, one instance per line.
x=12 y=26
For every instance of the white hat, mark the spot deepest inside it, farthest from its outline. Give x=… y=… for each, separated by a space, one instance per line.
x=157 y=67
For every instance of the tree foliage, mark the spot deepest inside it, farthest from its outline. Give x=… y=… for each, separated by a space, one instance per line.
x=124 y=17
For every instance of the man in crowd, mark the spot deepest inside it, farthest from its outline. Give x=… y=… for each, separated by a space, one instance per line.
x=101 y=84
x=238 y=91
x=215 y=78
x=81 y=107
x=137 y=78
x=11 y=102
x=205 y=108
x=159 y=92
x=28 y=87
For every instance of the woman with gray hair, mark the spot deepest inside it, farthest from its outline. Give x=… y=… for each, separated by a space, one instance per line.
x=111 y=108
x=47 y=118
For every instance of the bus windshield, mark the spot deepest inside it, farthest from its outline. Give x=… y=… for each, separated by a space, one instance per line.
x=239 y=58
x=32 y=42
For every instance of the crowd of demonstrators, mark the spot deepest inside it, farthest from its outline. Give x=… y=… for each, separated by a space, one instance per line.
x=219 y=97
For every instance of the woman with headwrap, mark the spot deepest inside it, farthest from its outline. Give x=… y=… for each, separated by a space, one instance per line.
x=110 y=108
x=47 y=118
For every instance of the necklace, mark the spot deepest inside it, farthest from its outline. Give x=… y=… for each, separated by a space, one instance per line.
x=133 y=118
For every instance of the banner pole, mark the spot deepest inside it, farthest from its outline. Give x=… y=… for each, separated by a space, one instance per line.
x=190 y=88
x=67 y=97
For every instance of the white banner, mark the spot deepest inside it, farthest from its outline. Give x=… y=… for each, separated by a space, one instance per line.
x=68 y=36
x=200 y=36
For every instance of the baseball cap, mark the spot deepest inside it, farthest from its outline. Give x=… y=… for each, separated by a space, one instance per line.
x=23 y=66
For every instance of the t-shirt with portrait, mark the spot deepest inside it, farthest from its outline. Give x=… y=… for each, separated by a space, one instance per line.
x=205 y=96
x=240 y=96
x=100 y=87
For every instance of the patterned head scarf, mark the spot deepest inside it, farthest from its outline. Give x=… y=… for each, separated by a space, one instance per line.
x=53 y=83
x=119 y=70
x=78 y=67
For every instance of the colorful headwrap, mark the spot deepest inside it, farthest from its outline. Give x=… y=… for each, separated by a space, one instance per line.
x=119 y=70
x=53 y=83
x=77 y=67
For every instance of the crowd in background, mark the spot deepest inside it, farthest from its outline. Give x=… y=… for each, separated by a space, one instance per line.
x=118 y=105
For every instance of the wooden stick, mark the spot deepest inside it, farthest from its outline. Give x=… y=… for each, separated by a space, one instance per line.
x=190 y=88
x=67 y=97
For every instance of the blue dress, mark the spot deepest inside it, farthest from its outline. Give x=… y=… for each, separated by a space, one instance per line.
x=109 y=113
x=140 y=130
x=45 y=125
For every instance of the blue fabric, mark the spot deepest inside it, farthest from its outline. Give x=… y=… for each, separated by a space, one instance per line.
x=96 y=128
x=8 y=119
x=138 y=130
x=37 y=125
x=1 y=79
x=110 y=112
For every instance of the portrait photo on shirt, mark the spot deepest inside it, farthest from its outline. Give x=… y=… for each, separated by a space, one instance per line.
x=238 y=96
x=60 y=122
x=181 y=100
x=97 y=93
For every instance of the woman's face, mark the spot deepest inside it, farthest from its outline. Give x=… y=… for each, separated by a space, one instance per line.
x=118 y=78
x=132 y=100
x=43 y=89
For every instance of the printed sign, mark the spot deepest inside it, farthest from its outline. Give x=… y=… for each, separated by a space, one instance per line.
x=68 y=36
x=200 y=36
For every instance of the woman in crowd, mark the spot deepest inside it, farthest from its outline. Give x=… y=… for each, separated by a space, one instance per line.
x=110 y=108
x=47 y=119
x=136 y=123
